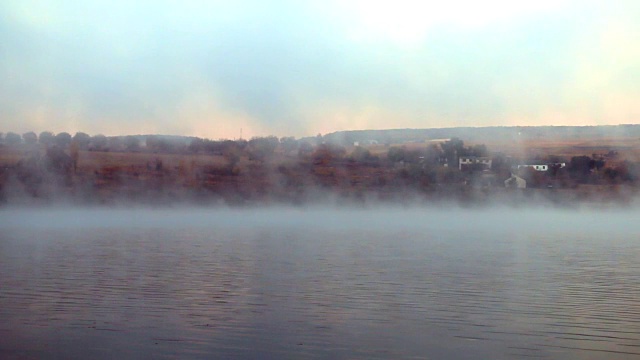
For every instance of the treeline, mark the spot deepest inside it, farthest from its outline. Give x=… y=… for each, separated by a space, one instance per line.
x=257 y=146
x=64 y=140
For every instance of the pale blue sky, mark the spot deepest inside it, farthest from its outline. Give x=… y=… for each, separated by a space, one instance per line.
x=299 y=68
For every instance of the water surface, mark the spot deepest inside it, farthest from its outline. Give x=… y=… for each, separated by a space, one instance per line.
x=323 y=283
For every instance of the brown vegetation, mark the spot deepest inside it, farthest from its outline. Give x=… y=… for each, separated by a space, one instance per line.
x=97 y=170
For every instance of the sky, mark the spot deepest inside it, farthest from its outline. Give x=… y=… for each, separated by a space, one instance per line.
x=219 y=69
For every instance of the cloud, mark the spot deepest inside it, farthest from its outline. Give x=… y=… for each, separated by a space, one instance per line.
x=287 y=68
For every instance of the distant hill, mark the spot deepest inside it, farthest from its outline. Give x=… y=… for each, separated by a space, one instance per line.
x=490 y=134
x=484 y=134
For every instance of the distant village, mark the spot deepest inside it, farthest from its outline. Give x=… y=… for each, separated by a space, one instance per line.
x=48 y=168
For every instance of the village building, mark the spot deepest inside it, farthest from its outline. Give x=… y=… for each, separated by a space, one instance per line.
x=467 y=161
x=540 y=166
x=515 y=182
x=536 y=167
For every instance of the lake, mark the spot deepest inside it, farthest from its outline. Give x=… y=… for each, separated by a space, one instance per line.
x=282 y=283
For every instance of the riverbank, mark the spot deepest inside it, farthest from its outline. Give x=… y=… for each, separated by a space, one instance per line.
x=239 y=175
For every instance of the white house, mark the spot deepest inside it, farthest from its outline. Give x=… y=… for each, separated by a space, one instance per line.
x=541 y=167
x=515 y=182
x=538 y=167
x=472 y=160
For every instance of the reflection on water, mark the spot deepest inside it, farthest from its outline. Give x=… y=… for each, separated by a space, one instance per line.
x=249 y=289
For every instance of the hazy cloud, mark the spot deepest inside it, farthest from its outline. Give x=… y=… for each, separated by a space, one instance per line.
x=210 y=68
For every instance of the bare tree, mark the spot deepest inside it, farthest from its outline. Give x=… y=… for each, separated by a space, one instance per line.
x=46 y=138
x=12 y=139
x=63 y=139
x=30 y=138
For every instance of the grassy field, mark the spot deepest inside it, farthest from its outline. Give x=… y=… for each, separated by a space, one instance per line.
x=627 y=148
x=95 y=159
x=10 y=157
x=92 y=159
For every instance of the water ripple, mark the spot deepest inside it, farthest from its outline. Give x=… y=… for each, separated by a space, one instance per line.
x=281 y=293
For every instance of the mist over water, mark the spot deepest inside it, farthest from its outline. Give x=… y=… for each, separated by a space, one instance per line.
x=276 y=283
x=501 y=219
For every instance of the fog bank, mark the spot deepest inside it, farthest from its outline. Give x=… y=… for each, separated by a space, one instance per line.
x=430 y=220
